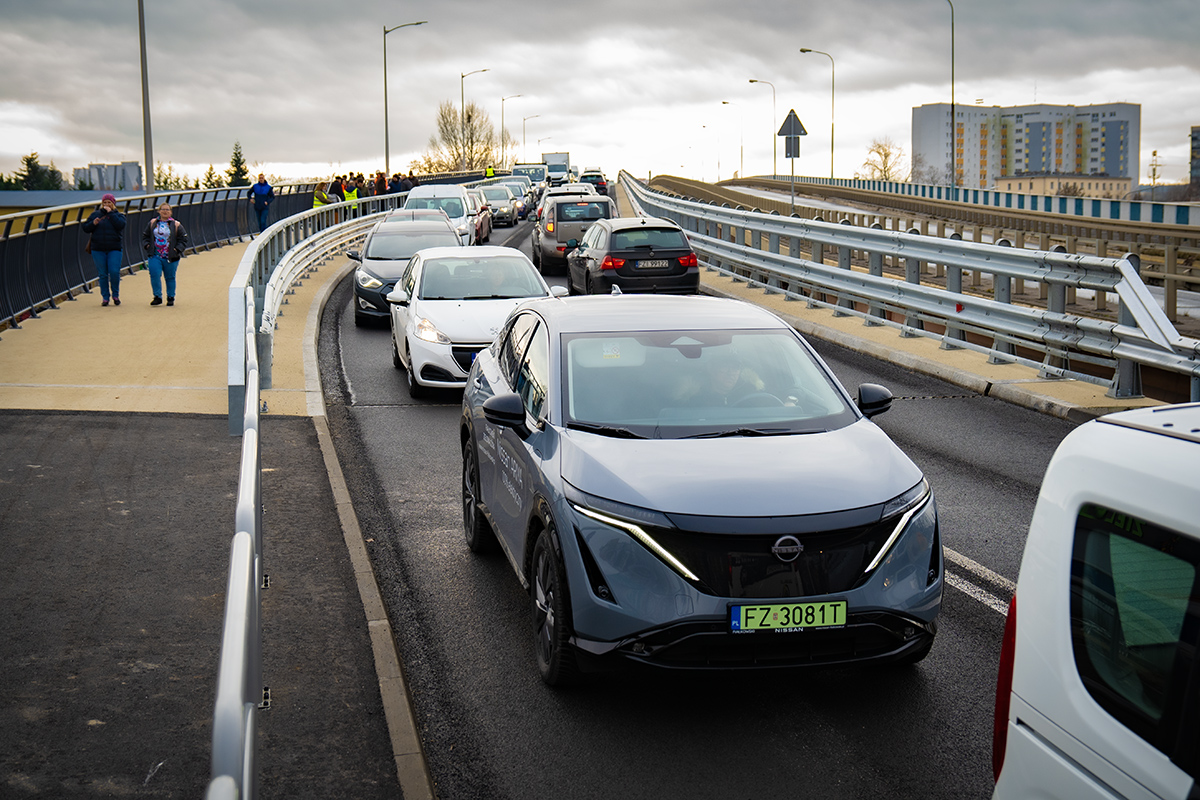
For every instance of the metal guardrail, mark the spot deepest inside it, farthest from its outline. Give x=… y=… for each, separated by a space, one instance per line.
x=748 y=245
x=42 y=257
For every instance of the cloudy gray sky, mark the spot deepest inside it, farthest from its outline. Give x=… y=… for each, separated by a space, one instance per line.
x=632 y=84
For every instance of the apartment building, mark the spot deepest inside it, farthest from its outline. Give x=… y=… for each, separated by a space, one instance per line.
x=991 y=143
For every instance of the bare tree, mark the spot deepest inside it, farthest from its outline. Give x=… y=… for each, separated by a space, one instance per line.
x=468 y=140
x=884 y=161
x=921 y=172
x=1069 y=190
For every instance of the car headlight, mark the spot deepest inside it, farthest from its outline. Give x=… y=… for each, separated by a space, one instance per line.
x=426 y=331
x=907 y=505
x=366 y=280
x=627 y=518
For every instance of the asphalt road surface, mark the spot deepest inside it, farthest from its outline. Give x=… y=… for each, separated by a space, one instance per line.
x=491 y=729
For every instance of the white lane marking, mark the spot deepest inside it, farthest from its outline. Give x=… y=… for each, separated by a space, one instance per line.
x=962 y=561
x=971 y=590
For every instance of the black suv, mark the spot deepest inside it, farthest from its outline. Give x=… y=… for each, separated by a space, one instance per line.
x=638 y=254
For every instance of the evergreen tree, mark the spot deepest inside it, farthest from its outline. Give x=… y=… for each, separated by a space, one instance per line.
x=34 y=177
x=211 y=179
x=237 y=173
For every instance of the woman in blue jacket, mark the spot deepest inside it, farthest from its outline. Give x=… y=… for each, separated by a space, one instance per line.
x=106 y=225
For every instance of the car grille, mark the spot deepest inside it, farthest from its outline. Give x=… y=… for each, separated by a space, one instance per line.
x=742 y=565
x=464 y=355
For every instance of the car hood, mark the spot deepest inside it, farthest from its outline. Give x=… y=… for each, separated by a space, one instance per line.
x=765 y=476
x=468 y=320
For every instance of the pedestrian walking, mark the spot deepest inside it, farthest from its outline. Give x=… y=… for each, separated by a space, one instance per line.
x=163 y=242
x=106 y=226
x=262 y=195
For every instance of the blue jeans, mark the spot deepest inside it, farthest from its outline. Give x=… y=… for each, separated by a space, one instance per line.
x=262 y=217
x=159 y=267
x=108 y=265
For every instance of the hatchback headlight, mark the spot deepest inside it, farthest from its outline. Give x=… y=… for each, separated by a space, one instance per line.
x=366 y=280
x=426 y=331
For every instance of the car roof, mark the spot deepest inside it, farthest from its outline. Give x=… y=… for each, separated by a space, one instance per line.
x=625 y=223
x=394 y=226
x=1177 y=421
x=414 y=213
x=649 y=312
x=436 y=190
x=564 y=188
x=484 y=251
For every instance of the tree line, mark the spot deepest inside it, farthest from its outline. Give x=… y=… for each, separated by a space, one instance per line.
x=33 y=176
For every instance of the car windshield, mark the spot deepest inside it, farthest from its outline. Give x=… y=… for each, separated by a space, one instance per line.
x=535 y=173
x=453 y=206
x=394 y=246
x=681 y=384
x=499 y=195
x=582 y=212
x=649 y=238
x=479 y=278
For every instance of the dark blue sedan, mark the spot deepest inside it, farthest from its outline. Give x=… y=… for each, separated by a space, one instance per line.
x=680 y=482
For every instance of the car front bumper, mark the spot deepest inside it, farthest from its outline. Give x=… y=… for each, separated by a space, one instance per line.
x=442 y=366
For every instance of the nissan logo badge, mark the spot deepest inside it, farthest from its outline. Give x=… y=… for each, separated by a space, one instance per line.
x=787 y=548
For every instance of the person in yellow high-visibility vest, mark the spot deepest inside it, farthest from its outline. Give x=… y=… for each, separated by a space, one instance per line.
x=490 y=172
x=320 y=196
x=351 y=194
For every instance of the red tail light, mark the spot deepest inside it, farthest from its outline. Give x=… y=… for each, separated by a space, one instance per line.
x=549 y=227
x=689 y=260
x=612 y=263
x=1004 y=681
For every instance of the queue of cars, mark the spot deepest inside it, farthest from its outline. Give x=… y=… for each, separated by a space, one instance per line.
x=801 y=535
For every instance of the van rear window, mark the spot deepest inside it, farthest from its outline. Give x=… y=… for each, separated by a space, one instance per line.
x=582 y=212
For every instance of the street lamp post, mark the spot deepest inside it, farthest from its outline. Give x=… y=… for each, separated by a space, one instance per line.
x=523 y=120
x=462 y=118
x=741 y=142
x=387 y=153
x=832 y=90
x=503 y=151
x=774 y=167
x=953 y=121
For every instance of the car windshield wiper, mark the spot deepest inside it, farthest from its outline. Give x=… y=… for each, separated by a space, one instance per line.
x=496 y=296
x=605 y=430
x=749 y=432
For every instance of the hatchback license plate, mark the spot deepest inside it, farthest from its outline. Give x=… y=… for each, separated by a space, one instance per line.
x=658 y=263
x=794 y=616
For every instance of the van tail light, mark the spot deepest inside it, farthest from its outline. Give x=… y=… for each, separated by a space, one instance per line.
x=689 y=260
x=1004 y=682
x=612 y=263
x=550 y=227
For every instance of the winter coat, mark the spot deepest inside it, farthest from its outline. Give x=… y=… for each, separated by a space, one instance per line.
x=105 y=228
x=177 y=242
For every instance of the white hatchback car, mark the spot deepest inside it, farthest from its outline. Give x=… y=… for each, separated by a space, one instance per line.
x=451 y=199
x=449 y=304
x=1098 y=694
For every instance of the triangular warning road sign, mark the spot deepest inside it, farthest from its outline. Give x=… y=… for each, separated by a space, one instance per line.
x=792 y=126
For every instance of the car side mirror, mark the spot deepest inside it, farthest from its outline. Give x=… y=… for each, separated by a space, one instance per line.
x=873 y=399
x=559 y=291
x=354 y=255
x=507 y=411
x=398 y=297
x=572 y=243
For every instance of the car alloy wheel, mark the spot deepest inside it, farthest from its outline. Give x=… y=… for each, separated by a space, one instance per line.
x=480 y=538
x=556 y=660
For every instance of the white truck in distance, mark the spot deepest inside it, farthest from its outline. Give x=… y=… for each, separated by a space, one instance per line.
x=558 y=165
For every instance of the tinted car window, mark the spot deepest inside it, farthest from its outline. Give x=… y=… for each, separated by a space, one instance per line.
x=666 y=384
x=499 y=195
x=658 y=238
x=534 y=375
x=391 y=247
x=1133 y=632
x=512 y=349
x=581 y=212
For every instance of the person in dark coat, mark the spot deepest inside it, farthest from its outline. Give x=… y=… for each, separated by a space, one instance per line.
x=163 y=242
x=106 y=226
x=262 y=195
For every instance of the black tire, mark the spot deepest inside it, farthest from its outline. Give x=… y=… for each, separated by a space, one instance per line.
x=571 y=290
x=360 y=319
x=587 y=285
x=479 y=534
x=396 y=361
x=550 y=602
x=415 y=390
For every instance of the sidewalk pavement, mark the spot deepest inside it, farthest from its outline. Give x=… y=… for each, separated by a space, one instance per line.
x=117 y=490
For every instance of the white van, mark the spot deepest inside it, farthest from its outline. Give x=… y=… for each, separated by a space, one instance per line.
x=451 y=199
x=1099 y=667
